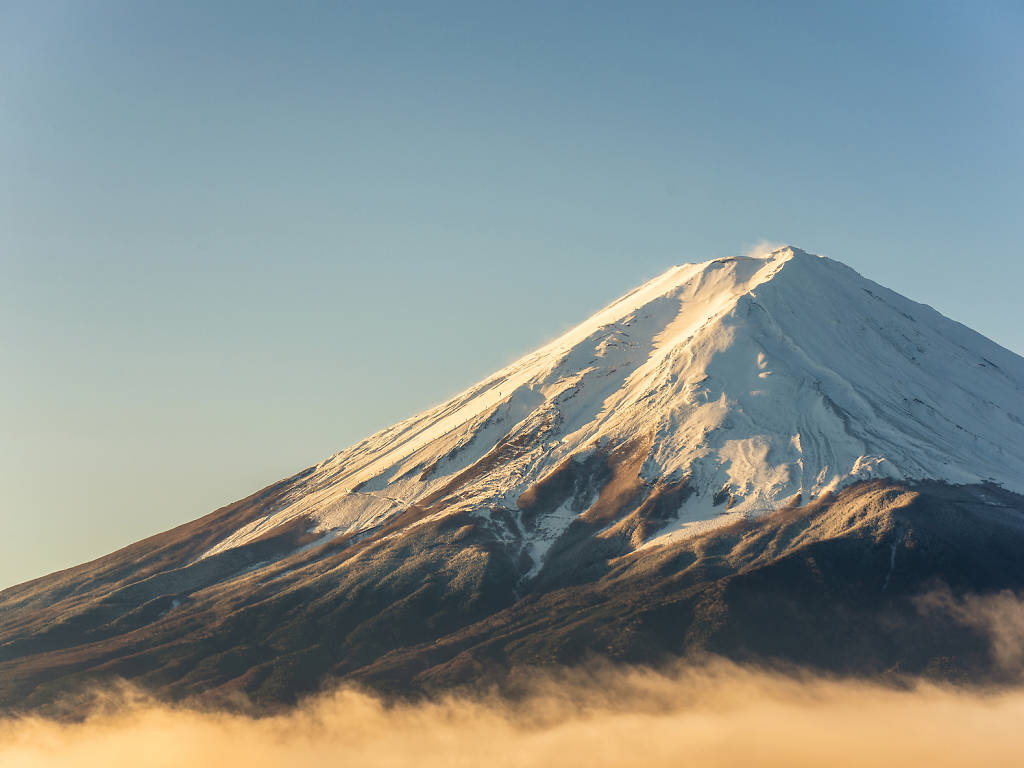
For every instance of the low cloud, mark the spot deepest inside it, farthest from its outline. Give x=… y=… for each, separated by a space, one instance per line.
x=712 y=715
x=999 y=616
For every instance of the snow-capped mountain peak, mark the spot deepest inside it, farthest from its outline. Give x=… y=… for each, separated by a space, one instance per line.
x=573 y=504
x=715 y=391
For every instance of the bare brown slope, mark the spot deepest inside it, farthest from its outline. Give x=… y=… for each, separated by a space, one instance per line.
x=836 y=585
x=833 y=585
x=155 y=565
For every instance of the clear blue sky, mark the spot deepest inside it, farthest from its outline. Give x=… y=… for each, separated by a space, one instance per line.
x=239 y=236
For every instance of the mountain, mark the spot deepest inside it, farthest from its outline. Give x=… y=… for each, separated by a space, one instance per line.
x=772 y=459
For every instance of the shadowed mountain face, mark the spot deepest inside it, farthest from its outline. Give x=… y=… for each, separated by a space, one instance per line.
x=773 y=459
x=846 y=584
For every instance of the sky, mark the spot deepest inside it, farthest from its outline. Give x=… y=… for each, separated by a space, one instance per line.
x=237 y=237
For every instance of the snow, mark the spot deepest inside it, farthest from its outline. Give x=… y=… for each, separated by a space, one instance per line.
x=776 y=378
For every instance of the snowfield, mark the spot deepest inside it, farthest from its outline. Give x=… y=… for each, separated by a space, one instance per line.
x=756 y=382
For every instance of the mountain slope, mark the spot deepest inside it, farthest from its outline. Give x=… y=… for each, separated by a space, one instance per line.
x=767 y=458
x=752 y=381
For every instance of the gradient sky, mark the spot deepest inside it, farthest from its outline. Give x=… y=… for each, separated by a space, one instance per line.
x=236 y=237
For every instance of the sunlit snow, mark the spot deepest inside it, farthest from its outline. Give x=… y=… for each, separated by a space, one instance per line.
x=769 y=381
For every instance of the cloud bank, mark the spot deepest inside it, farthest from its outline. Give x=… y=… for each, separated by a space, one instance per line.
x=714 y=715
x=999 y=616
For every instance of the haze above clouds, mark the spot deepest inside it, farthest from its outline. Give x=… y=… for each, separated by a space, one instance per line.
x=719 y=714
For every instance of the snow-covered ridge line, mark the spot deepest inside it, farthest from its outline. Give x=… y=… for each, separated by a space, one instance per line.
x=764 y=381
